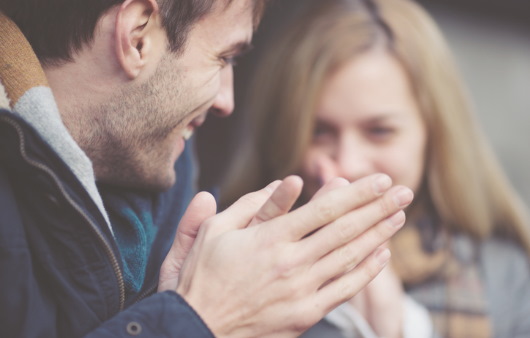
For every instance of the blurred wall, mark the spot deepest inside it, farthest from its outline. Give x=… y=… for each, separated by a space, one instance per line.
x=493 y=54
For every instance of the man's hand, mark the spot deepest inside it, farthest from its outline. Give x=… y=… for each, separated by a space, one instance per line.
x=286 y=271
x=201 y=207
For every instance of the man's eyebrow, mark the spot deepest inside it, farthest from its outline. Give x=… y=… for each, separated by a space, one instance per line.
x=239 y=48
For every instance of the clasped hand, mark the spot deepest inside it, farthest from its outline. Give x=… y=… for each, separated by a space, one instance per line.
x=259 y=269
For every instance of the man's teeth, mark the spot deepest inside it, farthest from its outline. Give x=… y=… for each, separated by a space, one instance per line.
x=186 y=134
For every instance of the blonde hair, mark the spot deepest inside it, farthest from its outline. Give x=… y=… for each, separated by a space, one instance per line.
x=463 y=183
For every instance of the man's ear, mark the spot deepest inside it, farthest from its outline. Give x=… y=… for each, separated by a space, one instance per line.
x=137 y=26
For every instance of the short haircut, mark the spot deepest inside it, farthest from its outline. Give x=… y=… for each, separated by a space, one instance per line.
x=58 y=28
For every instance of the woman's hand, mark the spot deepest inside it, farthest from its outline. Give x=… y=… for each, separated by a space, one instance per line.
x=381 y=303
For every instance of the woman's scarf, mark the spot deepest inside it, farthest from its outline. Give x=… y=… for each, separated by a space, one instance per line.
x=442 y=271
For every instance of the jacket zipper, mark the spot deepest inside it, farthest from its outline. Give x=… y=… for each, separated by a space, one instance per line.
x=146 y=293
x=101 y=237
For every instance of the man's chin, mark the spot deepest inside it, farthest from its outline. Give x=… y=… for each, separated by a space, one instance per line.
x=148 y=184
x=160 y=184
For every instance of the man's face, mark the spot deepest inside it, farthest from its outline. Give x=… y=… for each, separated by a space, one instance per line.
x=145 y=126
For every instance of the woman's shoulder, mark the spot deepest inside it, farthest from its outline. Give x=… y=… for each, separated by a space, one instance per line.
x=504 y=254
x=504 y=264
x=506 y=269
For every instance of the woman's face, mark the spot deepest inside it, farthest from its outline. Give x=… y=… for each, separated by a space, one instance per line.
x=367 y=121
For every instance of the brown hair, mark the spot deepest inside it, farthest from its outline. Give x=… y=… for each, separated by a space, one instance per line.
x=57 y=28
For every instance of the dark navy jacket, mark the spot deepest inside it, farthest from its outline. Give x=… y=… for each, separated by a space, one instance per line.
x=60 y=270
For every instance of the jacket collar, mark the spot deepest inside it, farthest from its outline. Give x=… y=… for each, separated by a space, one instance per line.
x=25 y=91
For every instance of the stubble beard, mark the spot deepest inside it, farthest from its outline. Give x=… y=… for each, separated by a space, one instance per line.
x=129 y=144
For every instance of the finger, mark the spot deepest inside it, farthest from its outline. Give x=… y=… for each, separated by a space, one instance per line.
x=326 y=170
x=330 y=185
x=360 y=300
x=240 y=214
x=330 y=206
x=348 y=285
x=349 y=256
x=281 y=200
x=201 y=207
x=351 y=225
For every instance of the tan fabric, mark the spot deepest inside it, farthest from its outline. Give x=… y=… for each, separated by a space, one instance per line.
x=20 y=69
x=445 y=278
x=410 y=262
x=461 y=326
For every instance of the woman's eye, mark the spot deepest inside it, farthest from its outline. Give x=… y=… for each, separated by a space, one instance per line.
x=321 y=131
x=379 y=132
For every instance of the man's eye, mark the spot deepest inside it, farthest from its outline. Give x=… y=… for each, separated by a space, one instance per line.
x=229 y=60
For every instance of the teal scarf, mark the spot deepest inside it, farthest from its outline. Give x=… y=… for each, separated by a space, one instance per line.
x=145 y=223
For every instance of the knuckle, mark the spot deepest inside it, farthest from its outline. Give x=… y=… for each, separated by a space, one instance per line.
x=380 y=232
x=371 y=271
x=349 y=257
x=208 y=224
x=397 y=219
x=345 y=290
x=366 y=192
x=253 y=199
x=324 y=212
x=307 y=317
x=327 y=238
x=269 y=210
x=375 y=236
x=347 y=229
x=261 y=217
x=282 y=265
x=343 y=230
x=286 y=268
x=364 y=189
x=385 y=207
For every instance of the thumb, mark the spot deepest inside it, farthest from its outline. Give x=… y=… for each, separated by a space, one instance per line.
x=327 y=174
x=201 y=207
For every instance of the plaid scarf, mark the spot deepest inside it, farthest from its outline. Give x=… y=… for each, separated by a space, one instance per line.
x=441 y=271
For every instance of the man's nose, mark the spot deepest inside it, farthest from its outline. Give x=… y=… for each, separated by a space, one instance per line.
x=224 y=101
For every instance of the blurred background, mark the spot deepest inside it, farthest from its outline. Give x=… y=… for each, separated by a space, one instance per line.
x=490 y=40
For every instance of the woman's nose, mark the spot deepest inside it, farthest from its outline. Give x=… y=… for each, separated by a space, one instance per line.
x=352 y=162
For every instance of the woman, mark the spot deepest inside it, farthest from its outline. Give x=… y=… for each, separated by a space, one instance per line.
x=356 y=87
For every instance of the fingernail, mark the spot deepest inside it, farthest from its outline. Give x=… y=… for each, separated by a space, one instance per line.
x=383 y=256
x=398 y=219
x=381 y=184
x=403 y=197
